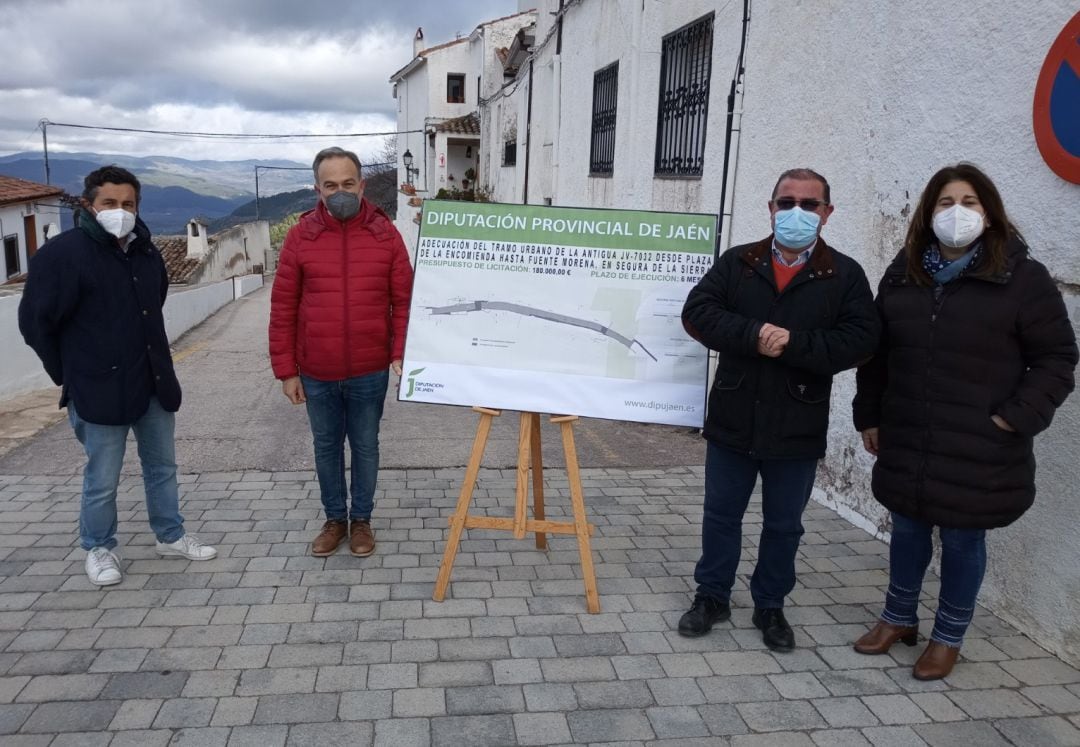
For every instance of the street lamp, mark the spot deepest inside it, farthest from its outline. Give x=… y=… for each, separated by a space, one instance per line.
x=407 y=159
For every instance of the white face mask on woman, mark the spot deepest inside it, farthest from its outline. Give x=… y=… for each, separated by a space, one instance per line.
x=958 y=226
x=117 y=221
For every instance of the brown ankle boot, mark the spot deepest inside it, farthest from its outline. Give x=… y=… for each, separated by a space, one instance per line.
x=936 y=662
x=327 y=541
x=361 y=538
x=883 y=635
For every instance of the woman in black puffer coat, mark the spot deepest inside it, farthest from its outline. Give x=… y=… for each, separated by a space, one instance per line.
x=976 y=353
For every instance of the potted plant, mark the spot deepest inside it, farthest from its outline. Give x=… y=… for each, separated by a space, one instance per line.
x=409 y=189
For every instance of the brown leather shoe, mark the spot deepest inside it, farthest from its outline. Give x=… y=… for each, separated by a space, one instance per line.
x=883 y=635
x=327 y=541
x=361 y=538
x=936 y=662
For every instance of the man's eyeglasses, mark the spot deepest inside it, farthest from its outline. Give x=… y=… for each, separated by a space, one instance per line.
x=787 y=203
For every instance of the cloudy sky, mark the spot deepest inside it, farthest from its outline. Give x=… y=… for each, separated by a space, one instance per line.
x=256 y=66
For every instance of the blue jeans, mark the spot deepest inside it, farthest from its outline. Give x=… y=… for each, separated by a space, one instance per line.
x=729 y=482
x=105 y=446
x=963 y=563
x=351 y=407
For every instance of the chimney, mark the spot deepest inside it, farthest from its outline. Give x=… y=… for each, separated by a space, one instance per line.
x=197 y=246
x=418 y=41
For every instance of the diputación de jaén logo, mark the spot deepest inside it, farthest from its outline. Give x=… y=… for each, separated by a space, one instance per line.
x=412 y=381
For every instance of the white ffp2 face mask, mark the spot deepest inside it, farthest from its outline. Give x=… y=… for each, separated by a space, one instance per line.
x=117 y=221
x=958 y=226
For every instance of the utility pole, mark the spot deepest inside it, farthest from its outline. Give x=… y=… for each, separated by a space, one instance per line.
x=45 y=146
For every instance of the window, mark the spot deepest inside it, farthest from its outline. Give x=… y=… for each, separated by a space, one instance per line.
x=510 y=153
x=605 y=97
x=11 y=255
x=455 y=88
x=685 y=69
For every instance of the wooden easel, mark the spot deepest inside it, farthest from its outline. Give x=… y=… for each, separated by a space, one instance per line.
x=529 y=455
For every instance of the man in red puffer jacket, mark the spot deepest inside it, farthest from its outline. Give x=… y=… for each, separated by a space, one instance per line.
x=338 y=312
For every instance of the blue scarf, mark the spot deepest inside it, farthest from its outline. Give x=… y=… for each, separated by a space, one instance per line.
x=944 y=270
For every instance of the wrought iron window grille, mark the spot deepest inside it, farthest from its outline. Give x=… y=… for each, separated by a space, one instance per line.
x=605 y=105
x=683 y=112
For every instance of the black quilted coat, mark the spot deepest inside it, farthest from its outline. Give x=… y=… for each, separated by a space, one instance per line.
x=950 y=357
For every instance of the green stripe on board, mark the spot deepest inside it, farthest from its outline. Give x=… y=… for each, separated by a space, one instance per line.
x=537 y=224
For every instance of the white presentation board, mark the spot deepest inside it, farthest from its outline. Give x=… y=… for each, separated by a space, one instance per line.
x=558 y=310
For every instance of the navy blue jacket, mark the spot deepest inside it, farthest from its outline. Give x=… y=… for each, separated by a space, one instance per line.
x=92 y=313
x=778 y=408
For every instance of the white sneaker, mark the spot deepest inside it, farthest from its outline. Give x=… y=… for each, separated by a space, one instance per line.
x=103 y=567
x=188 y=547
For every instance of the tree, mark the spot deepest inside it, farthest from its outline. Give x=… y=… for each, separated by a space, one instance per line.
x=279 y=229
x=381 y=177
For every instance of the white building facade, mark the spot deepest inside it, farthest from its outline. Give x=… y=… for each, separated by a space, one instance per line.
x=438 y=95
x=876 y=97
x=29 y=215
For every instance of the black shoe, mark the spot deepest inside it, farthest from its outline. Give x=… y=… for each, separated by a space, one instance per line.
x=702 y=615
x=775 y=630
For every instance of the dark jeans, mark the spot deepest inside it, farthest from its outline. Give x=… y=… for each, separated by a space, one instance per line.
x=963 y=563
x=729 y=481
x=351 y=407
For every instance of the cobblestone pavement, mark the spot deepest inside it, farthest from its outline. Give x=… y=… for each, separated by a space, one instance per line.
x=267 y=645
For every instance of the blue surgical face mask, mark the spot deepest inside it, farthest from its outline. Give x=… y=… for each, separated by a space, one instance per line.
x=796 y=228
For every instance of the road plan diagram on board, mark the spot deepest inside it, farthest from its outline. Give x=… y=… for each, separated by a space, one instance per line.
x=503 y=315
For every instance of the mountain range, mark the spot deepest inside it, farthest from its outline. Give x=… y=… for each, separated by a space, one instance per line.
x=174 y=190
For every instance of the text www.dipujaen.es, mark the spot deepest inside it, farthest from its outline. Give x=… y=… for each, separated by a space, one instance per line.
x=666 y=406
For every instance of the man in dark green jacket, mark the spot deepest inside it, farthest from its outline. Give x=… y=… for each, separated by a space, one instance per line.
x=92 y=311
x=784 y=315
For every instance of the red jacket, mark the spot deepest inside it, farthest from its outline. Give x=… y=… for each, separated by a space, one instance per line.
x=340 y=302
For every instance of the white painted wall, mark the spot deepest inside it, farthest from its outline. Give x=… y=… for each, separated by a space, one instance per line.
x=421 y=95
x=893 y=119
x=21 y=370
x=185 y=307
x=877 y=114
x=11 y=224
x=235 y=251
x=412 y=93
x=457 y=59
x=245 y=284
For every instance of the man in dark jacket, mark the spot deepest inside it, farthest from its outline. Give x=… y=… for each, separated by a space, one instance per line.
x=91 y=310
x=338 y=313
x=784 y=315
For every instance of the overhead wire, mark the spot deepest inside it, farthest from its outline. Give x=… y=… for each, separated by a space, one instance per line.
x=224 y=135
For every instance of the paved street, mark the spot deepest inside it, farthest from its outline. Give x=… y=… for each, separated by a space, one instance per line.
x=235 y=417
x=267 y=645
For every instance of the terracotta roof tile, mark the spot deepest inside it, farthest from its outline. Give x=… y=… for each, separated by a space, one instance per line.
x=444 y=45
x=530 y=11
x=467 y=125
x=21 y=190
x=174 y=251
